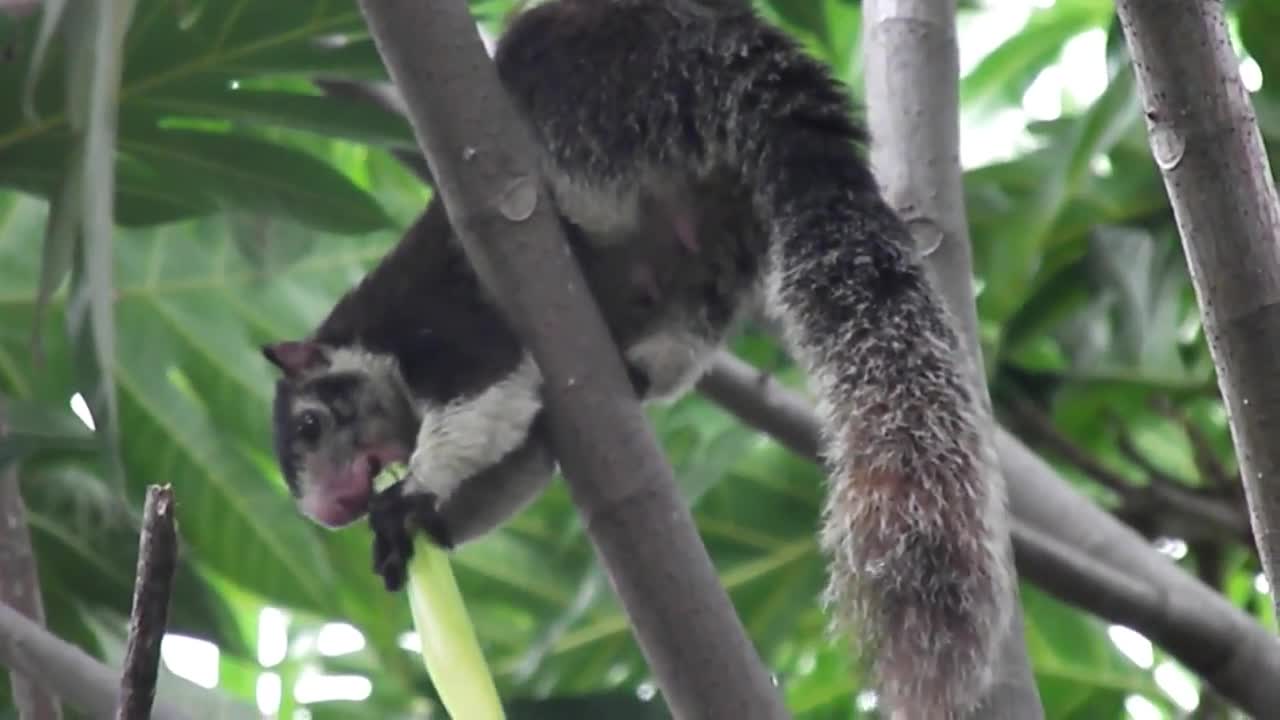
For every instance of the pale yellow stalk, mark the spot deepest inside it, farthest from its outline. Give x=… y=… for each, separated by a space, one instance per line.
x=450 y=650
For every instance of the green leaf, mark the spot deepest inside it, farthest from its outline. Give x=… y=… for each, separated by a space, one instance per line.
x=1015 y=249
x=829 y=29
x=322 y=114
x=1079 y=671
x=81 y=537
x=226 y=504
x=260 y=176
x=1149 y=281
x=33 y=427
x=94 y=75
x=174 y=55
x=62 y=234
x=142 y=197
x=50 y=18
x=1004 y=76
x=1258 y=21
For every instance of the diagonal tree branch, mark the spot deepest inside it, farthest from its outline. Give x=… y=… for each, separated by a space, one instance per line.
x=20 y=585
x=912 y=77
x=1211 y=469
x=1068 y=546
x=81 y=681
x=1162 y=496
x=642 y=531
x=1206 y=142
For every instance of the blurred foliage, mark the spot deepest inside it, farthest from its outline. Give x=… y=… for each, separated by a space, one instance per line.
x=246 y=201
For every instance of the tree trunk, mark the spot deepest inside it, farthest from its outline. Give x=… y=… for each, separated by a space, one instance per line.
x=1205 y=140
x=20 y=586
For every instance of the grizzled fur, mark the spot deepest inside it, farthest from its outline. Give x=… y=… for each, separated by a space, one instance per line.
x=698 y=157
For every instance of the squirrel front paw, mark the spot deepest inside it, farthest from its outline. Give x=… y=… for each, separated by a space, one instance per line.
x=394 y=517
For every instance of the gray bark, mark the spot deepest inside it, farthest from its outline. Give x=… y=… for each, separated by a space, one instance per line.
x=157 y=562
x=66 y=670
x=20 y=586
x=912 y=76
x=1205 y=140
x=482 y=159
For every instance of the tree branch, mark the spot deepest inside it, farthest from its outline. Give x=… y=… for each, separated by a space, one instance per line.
x=1164 y=495
x=912 y=77
x=1106 y=560
x=157 y=561
x=483 y=160
x=20 y=585
x=1168 y=492
x=1205 y=140
x=66 y=670
x=1211 y=469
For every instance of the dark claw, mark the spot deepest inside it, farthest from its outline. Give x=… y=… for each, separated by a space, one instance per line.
x=427 y=517
x=394 y=517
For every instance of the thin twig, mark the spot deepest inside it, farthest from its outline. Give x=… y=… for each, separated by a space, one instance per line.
x=1223 y=518
x=157 y=561
x=1168 y=494
x=1034 y=421
x=1129 y=449
x=1213 y=471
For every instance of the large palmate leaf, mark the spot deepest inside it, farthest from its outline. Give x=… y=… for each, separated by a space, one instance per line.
x=1079 y=672
x=203 y=69
x=213 y=480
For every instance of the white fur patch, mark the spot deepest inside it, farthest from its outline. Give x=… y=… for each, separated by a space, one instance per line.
x=604 y=212
x=357 y=359
x=466 y=436
x=672 y=361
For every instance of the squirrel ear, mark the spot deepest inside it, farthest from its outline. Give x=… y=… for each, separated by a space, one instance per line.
x=294 y=356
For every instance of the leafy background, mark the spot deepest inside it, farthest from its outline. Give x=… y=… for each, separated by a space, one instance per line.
x=247 y=200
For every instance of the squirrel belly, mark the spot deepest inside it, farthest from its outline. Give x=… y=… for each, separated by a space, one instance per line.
x=700 y=160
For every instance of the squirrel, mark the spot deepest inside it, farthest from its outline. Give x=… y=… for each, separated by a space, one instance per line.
x=701 y=162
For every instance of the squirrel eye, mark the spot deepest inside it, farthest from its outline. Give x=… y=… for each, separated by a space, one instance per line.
x=308 y=426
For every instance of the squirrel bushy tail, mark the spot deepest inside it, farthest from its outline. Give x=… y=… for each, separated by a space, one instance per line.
x=918 y=566
x=913 y=525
